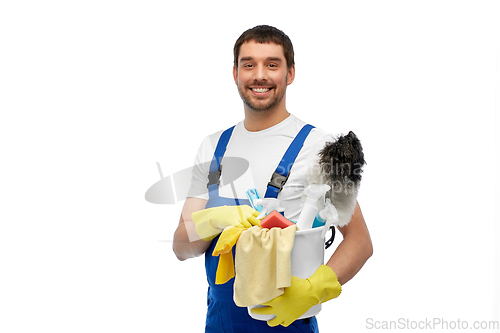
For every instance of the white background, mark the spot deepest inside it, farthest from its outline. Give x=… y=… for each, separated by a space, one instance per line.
x=94 y=93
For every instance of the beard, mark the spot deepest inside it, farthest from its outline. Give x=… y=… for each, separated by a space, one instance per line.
x=260 y=104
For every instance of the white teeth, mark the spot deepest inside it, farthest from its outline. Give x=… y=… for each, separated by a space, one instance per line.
x=260 y=90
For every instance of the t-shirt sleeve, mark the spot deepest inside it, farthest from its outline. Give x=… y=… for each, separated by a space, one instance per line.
x=201 y=167
x=313 y=154
x=199 y=178
x=318 y=145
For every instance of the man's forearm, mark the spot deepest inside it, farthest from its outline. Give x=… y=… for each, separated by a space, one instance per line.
x=186 y=243
x=354 y=250
x=348 y=259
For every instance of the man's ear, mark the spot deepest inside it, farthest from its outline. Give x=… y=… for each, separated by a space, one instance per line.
x=235 y=74
x=291 y=75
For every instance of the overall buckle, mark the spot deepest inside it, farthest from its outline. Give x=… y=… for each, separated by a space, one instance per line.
x=214 y=177
x=278 y=181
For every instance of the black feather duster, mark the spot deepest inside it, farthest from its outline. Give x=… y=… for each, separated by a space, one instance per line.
x=342 y=158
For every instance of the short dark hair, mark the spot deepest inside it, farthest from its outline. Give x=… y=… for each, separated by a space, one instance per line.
x=265 y=34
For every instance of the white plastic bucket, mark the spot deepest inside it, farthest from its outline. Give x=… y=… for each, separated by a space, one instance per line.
x=307 y=255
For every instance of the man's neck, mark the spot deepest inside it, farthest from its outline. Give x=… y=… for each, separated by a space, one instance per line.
x=260 y=120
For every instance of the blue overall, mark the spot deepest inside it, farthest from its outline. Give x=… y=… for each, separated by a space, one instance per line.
x=223 y=315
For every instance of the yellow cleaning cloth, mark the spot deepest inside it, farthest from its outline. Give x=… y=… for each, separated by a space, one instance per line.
x=263 y=265
x=223 y=248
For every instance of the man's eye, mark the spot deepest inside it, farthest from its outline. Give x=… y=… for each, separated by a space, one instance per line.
x=248 y=65
x=273 y=65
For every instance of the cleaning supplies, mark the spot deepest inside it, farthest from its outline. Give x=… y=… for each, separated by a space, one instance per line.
x=329 y=213
x=308 y=253
x=313 y=193
x=275 y=220
x=268 y=205
x=262 y=264
x=340 y=165
x=252 y=195
x=223 y=249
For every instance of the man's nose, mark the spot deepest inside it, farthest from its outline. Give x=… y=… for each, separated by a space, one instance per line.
x=260 y=73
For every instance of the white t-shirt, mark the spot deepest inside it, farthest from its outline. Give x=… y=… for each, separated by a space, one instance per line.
x=263 y=150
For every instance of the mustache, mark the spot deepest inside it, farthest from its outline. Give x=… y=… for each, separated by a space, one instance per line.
x=264 y=85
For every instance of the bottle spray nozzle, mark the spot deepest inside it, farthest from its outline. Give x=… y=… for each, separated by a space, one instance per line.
x=330 y=214
x=316 y=191
x=313 y=193
x=268 y=205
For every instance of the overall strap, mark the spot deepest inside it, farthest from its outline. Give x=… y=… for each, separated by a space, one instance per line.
x=280 y=176
x=215 y=166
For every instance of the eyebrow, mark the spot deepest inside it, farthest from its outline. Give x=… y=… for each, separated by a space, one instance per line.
x=268 y=59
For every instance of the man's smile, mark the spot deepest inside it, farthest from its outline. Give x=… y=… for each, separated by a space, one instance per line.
x=261 y=91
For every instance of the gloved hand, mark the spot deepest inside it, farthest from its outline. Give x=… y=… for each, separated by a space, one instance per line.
x=297 y=299
x=211 y=221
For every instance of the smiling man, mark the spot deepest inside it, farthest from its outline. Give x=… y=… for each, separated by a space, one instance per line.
x=263 y=68
x=262 y=75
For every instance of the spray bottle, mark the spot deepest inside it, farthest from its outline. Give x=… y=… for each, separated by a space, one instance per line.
x=332 y=217
x=252 y=195
x=328 y=214
x=268 y=205
x=313 y=193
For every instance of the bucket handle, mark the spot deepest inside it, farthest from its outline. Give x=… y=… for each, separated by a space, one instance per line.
x=329 y=242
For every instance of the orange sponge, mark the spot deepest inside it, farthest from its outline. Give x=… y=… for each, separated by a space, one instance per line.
x=275 y=219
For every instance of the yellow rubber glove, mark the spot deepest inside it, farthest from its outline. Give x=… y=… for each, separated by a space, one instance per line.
x=211 y=221
x=224 y=249
x=297 y=299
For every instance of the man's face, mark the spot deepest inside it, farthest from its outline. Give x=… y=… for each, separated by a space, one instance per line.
x=262 y=75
